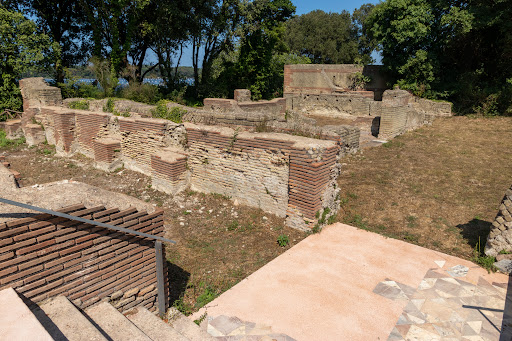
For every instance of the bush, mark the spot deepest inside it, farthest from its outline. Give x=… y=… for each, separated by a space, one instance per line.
x=144 y=93
x=174 y=114
x=81 y=104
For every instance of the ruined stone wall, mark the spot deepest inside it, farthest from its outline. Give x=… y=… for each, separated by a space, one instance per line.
x=44 y=256
x=328 y=78
x=401 y=112
x=334 y=104
x=500 y=237
x=290 y=176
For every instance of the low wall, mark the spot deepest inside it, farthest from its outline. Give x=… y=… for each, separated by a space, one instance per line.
x=335 y=104
x=43 y=256
x=401 y=112
x=500 y=236
x=290 y=176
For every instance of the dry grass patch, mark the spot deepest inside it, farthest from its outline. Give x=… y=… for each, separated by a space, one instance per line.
x=439 y=186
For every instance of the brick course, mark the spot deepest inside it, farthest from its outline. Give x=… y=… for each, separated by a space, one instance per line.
x=41 y=264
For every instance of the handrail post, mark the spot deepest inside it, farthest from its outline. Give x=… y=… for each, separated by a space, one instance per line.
x=160 y=278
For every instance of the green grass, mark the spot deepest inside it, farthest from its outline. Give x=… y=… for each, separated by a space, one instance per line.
x=7 y=143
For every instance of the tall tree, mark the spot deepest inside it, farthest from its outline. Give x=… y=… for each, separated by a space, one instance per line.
x=261 y=38
x=64 y=21
x=326 y=38
x=22 y=49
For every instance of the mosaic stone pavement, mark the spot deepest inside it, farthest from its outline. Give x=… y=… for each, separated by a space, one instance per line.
x=446 y=307
x=225 y=328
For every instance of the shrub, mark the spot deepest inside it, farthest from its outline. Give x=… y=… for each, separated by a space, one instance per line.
x=81 y=104
x=283 y=240
x=144 y=93
x=174 y=114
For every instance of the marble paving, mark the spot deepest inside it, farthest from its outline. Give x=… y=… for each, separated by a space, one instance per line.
x=445 y=306
x=227 y=328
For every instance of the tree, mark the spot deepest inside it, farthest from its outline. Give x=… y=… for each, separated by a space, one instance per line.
x=261 y=38
x=66 y=24
x=448 y=49
x=325 y=38
x=22 y=49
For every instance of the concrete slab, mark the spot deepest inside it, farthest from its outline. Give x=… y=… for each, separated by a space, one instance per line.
x=349 y=284
x=17 y=321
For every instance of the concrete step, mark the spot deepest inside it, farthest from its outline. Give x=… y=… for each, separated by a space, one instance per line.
x=17 y=321
x=153 y=326
x=64 y=321
x=114 y=324
x=187 y=327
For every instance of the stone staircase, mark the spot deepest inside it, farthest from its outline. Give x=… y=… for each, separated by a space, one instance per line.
x=58 y=319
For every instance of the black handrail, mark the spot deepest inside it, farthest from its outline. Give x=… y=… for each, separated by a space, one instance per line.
x=86 y=221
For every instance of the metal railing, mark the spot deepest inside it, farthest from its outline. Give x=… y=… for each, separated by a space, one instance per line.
x=158 y=243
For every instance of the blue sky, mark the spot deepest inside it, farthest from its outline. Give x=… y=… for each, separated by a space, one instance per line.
x=306 y=6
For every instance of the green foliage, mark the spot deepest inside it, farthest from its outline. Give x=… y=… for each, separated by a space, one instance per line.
x=110 y=105
x=482 y=259
x=6 y=143
x=283 y=240
x=448 y=50
x=144 y=93
x=22 y=49
x=209 y=294
x=81 y=104
x=325 y=38
x=174 y=114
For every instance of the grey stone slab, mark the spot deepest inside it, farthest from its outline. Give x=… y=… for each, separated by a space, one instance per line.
x=226 y=324
x=504 y=265
x=458 y=271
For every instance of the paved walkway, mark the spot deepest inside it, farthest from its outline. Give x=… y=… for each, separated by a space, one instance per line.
x=349 y=284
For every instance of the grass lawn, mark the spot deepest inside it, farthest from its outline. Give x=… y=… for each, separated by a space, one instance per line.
x=439 y=186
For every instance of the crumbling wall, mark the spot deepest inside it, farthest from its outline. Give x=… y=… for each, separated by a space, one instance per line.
x=287 y=175
x=329 y=78
x=44 y=256
x=500 y=236
x=290 y=176
x=401 y=112
x=334 y=104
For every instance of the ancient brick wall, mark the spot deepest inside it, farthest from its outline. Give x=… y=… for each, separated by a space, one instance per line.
x=400 y=113
x=286 y=175
x=44 y=256
x=500 y=237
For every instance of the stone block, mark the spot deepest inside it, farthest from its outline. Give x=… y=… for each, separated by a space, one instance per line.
x=242 y=95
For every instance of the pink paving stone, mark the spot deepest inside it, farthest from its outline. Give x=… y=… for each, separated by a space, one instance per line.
x=17 y=321
x=322 y=288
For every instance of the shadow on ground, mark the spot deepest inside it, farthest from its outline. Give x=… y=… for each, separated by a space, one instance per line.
x=475 y=232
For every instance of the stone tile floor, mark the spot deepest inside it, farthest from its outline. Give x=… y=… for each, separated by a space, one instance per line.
x=226 y=328
x=445 y=306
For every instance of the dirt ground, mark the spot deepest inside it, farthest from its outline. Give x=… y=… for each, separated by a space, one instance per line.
x=439 y=186
x=218 y=243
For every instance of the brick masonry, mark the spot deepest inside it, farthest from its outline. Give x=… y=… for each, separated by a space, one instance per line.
x=290 y=176
x=500 y=237
x=44 y=256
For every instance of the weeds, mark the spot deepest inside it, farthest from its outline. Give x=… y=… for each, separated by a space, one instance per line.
x=283 y=240
x=7 y=143
x=482 y=259
x=81 y=105
x=174 y=114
